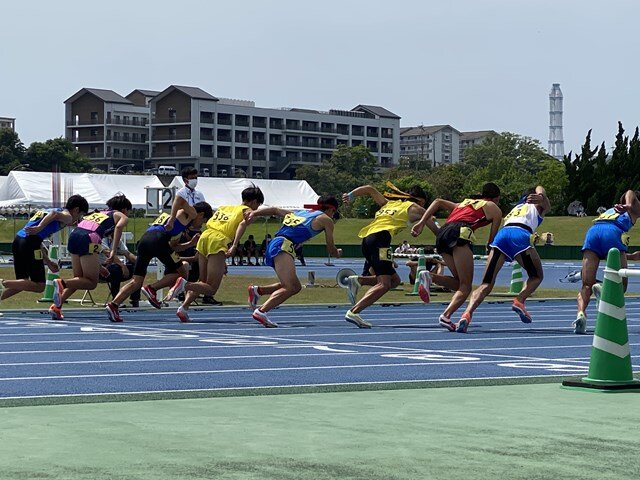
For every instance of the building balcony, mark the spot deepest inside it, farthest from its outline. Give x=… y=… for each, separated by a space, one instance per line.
x=85 y=123
x=170 y=120
x=177 y=137
x=127 y=123
x=96 y=139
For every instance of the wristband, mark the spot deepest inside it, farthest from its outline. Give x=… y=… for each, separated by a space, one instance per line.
x=350 y=195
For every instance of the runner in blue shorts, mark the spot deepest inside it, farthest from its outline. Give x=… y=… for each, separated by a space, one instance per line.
x=513 y=242
x=297 y=227
x=608 y=231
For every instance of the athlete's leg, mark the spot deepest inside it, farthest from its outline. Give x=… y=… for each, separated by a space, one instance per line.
x=214 y=268
x=285 y=267
x=463 y=262
x=494 y=264
x=590 y=263
x=447 y=281
x=383 y=284
x=530 y=261
x=12 y=287
x=86 y=270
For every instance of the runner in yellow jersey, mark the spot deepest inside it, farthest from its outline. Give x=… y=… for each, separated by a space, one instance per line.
x=226 y=226
x=398 y=210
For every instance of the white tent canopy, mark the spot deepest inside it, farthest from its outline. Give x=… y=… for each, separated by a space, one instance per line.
x=35 y=188
x=277 y=193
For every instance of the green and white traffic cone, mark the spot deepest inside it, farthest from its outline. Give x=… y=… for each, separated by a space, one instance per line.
x=51 y=276
x=610 y=365
x=422 y=265
x=516 y=279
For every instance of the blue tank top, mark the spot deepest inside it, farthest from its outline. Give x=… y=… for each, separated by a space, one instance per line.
x=620 y=220
x=47 y=231
x=159 y=223
x=296 y=226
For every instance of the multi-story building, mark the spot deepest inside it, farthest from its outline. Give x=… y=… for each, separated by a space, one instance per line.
x=8 y=122
x=469 y=139
x=436 y=144
x=230 y=137
x=112 y=130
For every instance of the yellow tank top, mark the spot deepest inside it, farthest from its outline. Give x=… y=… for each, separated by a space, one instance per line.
x=226 y=219
x=392 y=217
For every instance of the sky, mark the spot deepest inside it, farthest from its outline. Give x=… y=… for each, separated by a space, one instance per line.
x=472 y=64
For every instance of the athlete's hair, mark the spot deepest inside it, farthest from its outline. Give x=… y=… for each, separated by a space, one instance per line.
x=489 y=190
x=188 y=171
x=637 y=192
x=417 y=192
x=205 y=208
x=329 y=201
x=119 y=203
x=79 y=202
x=253 y=193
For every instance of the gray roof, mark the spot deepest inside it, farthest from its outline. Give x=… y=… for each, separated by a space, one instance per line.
x=376 y=111
x=424 y=129
x=108 y=96
x=147 y=93
x=195 y=92
x=476 y=135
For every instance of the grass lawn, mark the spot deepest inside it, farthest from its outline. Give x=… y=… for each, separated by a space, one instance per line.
x=567 y=231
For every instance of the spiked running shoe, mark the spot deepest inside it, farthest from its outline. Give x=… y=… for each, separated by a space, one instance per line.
x=56 y=313
x=254 y=296
x=580 y=324
x=356 y=319
x=447 y=323
x=518 y=307
x=352 y=289
x=58 y=288
x=183 y=314
x=114 y=312
x=151 y=294
x=463 y=324
x=424 y=284
x=262 y=318
x=176 y=290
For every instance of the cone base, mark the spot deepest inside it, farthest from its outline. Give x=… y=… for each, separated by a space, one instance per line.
x=45 y=300
x=584 y=384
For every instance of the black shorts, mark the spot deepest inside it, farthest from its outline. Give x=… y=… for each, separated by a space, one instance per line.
x=449 y=236
x=155 y=244
x=376 y=249
x=27 y=258
x=80 y=243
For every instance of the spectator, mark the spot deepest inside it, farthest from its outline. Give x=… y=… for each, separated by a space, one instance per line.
x=263 y=246
x=548 y=238
x=251 y=250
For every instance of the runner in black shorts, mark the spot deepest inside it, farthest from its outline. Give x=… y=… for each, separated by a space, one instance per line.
x=163 y=245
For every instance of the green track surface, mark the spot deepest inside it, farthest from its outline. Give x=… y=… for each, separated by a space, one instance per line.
x=532 y=431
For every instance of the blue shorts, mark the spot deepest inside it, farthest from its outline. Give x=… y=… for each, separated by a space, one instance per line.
x=277 y=246
x=512 y=241
x=603 y=236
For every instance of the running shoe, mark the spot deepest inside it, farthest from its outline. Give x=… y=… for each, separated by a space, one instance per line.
x=114 y=312
x=56 y=313
x=262 y=318
x=518 y=307
x=183 y=314
x=580 y=325
x=356 y=319
x=424 y=284
x=253 y=296
x=447 y=323
x=151 y=294
x=353 y=285
x=176 y=290
x=463 y=324
x=58 y=288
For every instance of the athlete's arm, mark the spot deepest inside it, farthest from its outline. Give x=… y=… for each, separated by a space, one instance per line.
x=53 y=266
x=493 y=213
x=242 y=226
x=267 y=212
x=362 y=191
x=179 y=247
x=633 y=256
x=540 y=200
x=326 y=223
x=436 y=205
x=63 y=216
x=121 y=221
x=416 y=212
x=629 y=203
x=179 y=203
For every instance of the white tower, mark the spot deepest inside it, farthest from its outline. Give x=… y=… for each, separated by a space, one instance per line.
x=556 y=141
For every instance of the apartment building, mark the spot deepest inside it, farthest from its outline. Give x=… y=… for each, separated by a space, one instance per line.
x=8 y=122
x=234 y=137
x=469 y=139
x=436 y=144
x=112 y=130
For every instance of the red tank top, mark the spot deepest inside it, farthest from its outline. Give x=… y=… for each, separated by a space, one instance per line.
x=471 y=212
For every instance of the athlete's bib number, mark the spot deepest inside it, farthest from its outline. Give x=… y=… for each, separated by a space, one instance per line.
x=96 y=218
x=220 y=216
x=467 y=234
x=291 y=220
x=385 y=254
x=475 y=204
x=37 y=254
x=520 y=211
x=162 y=219
x=386 y=211
x=39 y=215
x=175 y=257
x=95 y=248
x=625 y=238
x=610 y=216
x=287 y=247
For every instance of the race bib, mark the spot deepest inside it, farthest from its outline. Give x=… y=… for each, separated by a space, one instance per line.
x=385 y=254
x=39 y=215
x=37 y=254
x=175 y=257
x=287 y=247
x=467 y=234
x=220 y=216
x=291 y=220
x=625 y=238
x=162 y=219
x=607 y=216
x=475 y=204
x=386 y=211
x=97 y=218
x=520 y=211
x=95 y=248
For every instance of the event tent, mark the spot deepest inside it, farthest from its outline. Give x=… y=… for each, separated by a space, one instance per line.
x=23 y=188
x=277 y=193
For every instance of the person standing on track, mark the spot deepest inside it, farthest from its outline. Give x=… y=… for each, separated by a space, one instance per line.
x=397 y=210
x=608 y=231
x=513 y=242
x=297 y=227
x=454 y=241
x=84 y=244
x=29 y=256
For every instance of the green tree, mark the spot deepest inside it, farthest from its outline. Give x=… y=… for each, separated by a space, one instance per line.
x=43 y=156
x=11 y=150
